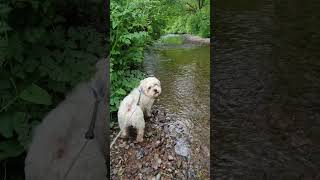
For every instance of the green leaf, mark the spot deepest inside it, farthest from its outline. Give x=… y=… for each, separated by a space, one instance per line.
x=36 y=94
x=121 y=92
x=6 y=125
x=10 y=122
x=10 y=148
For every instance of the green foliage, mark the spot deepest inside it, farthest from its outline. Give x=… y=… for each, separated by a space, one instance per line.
x=43 y=54
x=134 y=25
x=192 y=19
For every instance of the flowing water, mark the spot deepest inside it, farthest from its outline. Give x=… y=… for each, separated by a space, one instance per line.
x=184 y=72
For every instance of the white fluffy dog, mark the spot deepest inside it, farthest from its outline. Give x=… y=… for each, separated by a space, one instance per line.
x=136 y=104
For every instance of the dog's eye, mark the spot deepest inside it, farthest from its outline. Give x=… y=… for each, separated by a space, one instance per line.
x=149 y=87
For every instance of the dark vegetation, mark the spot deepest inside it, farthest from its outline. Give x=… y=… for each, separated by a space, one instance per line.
x=46 y=47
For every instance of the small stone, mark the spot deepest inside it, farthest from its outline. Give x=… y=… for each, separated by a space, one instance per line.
x=170 y=158
x=120 y=172
x=158 y=176
x=149 y=134
x=139 y=165
x=114 y=171
x=127 y=147
x=157 y=143
x=159 y=161
x=145 y=170
x=139 y=154
x=169 y=170
x=155 y=165
x=179 y=163
x=140 y=176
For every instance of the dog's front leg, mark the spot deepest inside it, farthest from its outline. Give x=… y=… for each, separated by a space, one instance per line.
x=148 y=109
x=148 y=112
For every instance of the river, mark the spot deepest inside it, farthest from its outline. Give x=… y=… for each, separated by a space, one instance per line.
x=184 y=72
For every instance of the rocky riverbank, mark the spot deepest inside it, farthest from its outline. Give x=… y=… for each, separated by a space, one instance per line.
x=160 y=156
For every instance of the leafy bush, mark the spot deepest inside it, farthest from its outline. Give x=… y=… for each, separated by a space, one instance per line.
x=195 y=21
x=46 y=47
x=134 y=25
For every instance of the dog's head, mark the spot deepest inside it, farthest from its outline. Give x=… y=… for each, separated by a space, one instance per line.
x=151 y=87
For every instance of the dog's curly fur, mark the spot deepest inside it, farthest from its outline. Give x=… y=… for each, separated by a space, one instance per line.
x=132 y=114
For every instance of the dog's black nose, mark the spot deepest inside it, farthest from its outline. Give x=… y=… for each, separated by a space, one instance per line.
x=156 y=91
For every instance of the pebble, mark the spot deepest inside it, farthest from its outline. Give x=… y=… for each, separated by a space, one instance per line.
x=179 y=163
x=157 y=143
x=170 y=158
x=149 y=134
x=158 y=176
x=140 y=154
x=145 y=170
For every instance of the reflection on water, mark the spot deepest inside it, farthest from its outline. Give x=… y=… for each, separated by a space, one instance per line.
x=184 y=72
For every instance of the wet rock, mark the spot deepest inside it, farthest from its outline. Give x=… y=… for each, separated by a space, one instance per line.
x=158 y=176
x=140 y=154
x=182 y=148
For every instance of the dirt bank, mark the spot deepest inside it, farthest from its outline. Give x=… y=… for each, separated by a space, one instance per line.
x=155 y=158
